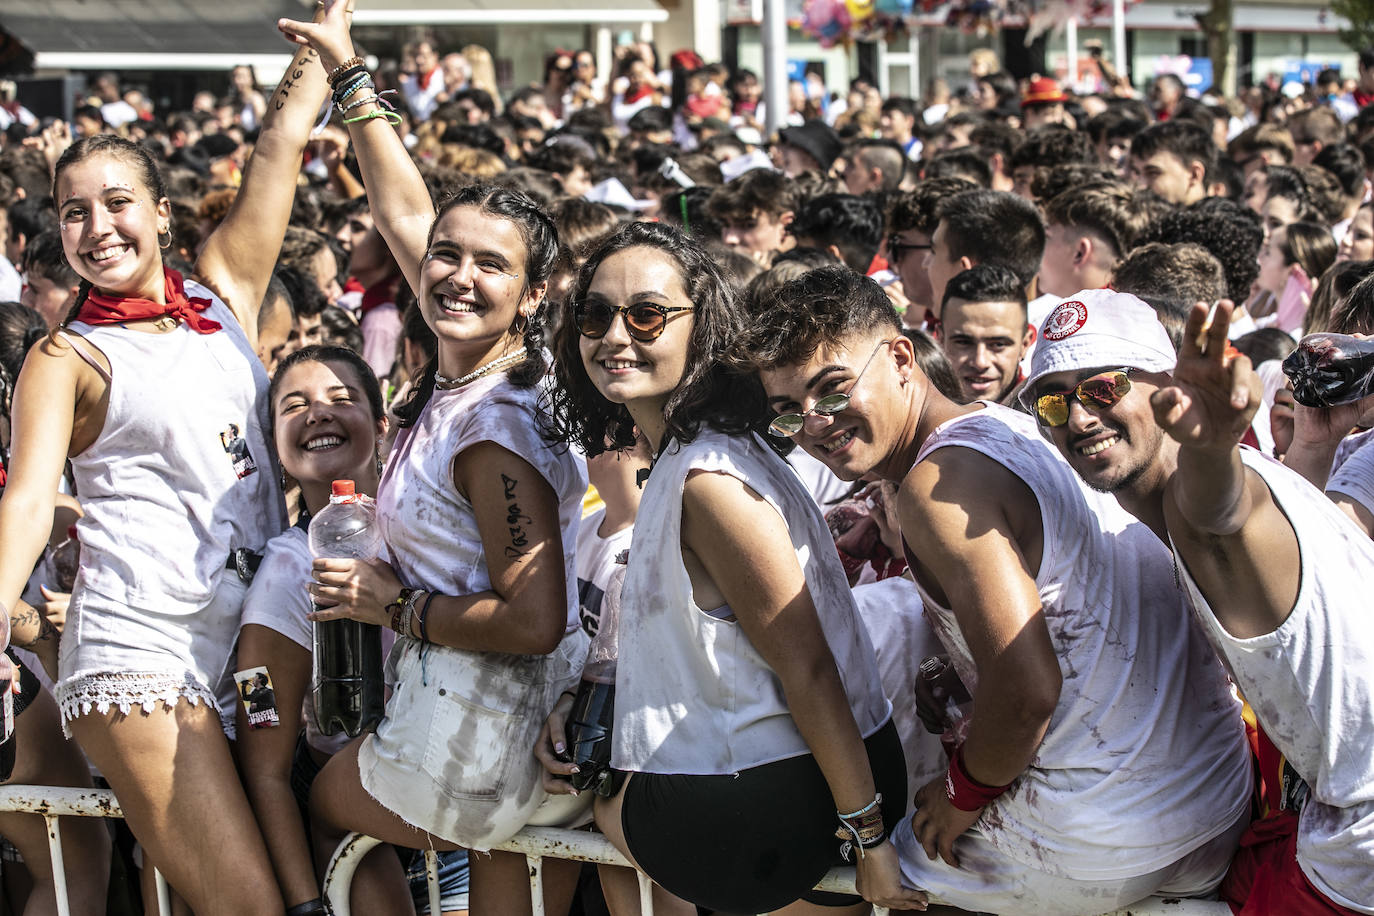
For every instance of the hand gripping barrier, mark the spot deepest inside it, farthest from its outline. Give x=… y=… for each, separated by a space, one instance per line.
x=535 y=843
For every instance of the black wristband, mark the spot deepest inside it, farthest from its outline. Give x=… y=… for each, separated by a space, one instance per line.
x=314 y=907
x=424 y=617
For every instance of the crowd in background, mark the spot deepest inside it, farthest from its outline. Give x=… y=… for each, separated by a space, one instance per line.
x=986 y=213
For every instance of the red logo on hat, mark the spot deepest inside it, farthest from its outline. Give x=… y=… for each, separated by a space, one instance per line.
x=1066 y=318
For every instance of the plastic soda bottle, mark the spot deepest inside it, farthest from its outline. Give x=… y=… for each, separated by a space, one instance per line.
x=593 y=709
x=1329 y=370
x=346 y=671
x=7 y=739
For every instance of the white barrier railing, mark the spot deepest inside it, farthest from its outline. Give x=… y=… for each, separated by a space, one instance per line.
x=535 y=843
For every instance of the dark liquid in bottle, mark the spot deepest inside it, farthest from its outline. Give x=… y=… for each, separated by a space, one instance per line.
x=589 y=733
x=7 y=748
x=349 y=692
x=1328 y=370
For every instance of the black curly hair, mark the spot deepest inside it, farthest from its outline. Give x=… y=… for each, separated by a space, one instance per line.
x=711 y=393
x=1228 y=230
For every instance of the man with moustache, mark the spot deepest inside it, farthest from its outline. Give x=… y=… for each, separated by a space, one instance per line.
x=1275 y=572
x=1098 y=710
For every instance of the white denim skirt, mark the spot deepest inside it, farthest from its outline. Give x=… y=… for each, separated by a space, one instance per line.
x=454 y=754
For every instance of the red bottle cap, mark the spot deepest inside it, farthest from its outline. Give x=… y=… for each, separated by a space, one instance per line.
x=343 y=488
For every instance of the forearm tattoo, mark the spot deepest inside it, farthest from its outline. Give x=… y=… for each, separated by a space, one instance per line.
x=515 y=521
x=28 y=627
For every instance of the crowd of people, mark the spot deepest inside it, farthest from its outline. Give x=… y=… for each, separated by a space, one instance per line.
x=936 y=455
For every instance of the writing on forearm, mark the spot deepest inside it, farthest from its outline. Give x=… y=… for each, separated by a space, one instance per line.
x=515 y=520
x=290 y=82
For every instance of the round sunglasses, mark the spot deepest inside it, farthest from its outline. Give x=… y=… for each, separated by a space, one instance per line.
x=1102 y=390
x=644 y=321
x=785 y=426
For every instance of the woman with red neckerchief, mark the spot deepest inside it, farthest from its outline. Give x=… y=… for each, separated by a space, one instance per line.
x=152 y=389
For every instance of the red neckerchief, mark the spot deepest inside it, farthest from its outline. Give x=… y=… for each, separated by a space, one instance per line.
x=424 y=78
x=353 y=286
x=1363 y=98
x=378 y=294
x=933 y=324
x=101 y=309
x=643 y=91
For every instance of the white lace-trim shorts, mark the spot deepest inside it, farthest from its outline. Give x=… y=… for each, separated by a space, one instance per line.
x=115 y=656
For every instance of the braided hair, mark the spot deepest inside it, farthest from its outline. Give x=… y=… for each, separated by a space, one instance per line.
x=541 y=249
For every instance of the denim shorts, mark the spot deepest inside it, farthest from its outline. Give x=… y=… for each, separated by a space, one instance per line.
x=454 y=754
x=453 y=880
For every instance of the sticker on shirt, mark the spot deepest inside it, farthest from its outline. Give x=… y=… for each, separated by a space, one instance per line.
x=237 y=446
x=259 y=699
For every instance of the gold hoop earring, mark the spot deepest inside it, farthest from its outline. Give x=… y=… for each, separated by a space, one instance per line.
x=164 y=234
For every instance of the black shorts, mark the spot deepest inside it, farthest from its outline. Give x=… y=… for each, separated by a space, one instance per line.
x=756 y=841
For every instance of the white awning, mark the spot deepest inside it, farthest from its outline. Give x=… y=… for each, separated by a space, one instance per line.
x=506 y=12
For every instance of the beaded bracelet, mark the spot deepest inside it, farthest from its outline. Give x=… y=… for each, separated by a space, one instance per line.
x=360 y=102
x=963 y=791
x=864 y=829
x=346 y=89
x=351 y=63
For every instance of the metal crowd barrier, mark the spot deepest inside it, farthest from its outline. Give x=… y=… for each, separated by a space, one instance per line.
x=535 y=843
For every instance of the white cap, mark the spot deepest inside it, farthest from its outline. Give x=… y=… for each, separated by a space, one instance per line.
x=1099 y=329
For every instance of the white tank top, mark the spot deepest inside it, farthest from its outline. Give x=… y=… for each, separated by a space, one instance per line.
x=1145 y=757
x=693 y=695
x=429 y=527
x=181 y=473
x=1311 y=684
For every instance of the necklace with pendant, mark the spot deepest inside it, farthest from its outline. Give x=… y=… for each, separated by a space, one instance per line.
x=445 y=383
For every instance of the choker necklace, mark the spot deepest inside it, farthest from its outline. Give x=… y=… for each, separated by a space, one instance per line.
x=445 y=383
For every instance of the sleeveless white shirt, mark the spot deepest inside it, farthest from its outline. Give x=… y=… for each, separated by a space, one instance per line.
x=181 y=473
x=1145 y=758
x=1311 y=684
x=693 y=695
x=429 y=527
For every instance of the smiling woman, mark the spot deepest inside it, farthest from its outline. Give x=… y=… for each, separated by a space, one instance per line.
x=479 y=515
x=748 y=712
x=178 y=445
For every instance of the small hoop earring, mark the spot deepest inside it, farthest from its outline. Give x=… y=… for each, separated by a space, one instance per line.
x=165 y=234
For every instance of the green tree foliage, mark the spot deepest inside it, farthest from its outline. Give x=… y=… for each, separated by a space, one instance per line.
x=1360 y=15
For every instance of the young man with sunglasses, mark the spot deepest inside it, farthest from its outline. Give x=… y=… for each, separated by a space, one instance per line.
x=1276 y=574
x=1098 y=712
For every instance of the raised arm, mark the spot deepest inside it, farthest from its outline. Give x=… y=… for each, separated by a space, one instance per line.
x=973 y=528
x=1207 y=410
x=1225 y=525
x=401 y=206
x=745 y=548
x=238 y=257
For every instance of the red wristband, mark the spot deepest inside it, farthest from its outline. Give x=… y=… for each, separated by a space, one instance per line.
x=963 y=791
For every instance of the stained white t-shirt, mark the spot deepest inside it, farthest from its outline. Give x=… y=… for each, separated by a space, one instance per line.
x=1311 y=684
x=1145 y=715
